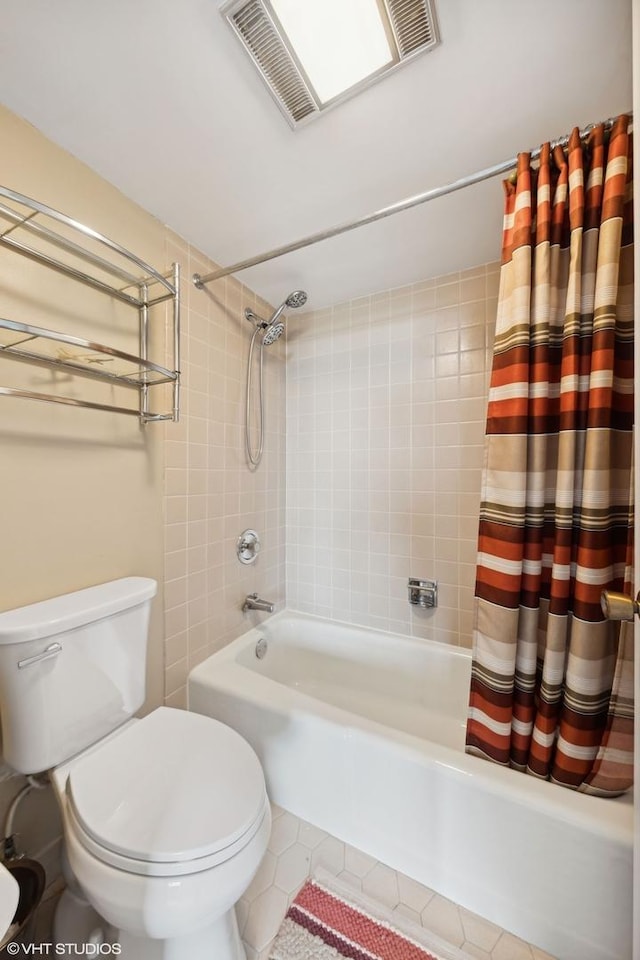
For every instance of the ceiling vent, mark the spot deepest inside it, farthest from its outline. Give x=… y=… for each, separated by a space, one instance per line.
x=279 y=35
x=254 y=25
x=413 y=25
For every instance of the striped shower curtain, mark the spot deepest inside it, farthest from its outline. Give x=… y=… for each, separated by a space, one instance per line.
x=552 y=680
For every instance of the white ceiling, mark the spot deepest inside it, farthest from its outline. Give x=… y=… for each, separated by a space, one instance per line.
x=160 y=99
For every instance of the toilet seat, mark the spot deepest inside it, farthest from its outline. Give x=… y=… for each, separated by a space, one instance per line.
x=174 y=793
x=150 y=868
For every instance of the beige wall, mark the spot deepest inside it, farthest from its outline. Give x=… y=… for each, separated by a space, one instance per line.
x=85 y=494
x=386 y=401
x=81 y=490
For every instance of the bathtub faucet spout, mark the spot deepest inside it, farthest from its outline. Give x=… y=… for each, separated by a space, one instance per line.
x=253 y=602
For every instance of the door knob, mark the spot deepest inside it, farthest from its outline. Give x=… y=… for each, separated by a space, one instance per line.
x=618 y=606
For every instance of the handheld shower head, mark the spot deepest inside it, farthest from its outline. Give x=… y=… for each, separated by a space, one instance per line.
x=296 y=299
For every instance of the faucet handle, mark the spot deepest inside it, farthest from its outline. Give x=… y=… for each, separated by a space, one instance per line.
x=248 y=546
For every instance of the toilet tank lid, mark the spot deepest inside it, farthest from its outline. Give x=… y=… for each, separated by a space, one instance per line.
x=48 y=618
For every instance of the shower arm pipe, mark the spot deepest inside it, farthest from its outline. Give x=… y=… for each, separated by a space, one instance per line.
x=414 y=201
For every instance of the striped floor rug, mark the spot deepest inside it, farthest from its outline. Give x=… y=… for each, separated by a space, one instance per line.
x=324 y=923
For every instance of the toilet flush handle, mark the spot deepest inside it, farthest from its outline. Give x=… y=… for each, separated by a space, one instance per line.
x=51 y=651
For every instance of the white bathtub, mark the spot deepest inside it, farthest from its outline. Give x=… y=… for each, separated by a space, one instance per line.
x=362 y=733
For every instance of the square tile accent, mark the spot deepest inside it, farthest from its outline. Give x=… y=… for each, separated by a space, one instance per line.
x=286 y=867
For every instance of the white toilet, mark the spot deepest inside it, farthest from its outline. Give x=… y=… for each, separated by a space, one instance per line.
x=166 y=819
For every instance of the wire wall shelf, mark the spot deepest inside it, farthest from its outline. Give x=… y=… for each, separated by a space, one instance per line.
x=63 y=245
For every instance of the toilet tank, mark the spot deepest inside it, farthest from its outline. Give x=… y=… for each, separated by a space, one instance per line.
x=72 y=669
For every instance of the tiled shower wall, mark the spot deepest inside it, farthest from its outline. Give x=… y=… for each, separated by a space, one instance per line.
x=386 y=404
x=210 y=495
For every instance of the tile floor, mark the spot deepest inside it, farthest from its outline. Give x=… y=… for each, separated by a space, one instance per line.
x=297 y=849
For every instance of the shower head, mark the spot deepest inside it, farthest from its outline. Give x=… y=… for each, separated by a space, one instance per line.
x=274 y=332
x=274 y=328
x=296 y=299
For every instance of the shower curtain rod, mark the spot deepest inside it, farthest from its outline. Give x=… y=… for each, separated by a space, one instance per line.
x=486 y=174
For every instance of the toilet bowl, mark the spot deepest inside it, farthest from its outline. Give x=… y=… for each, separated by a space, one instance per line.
x=165 y=818
x=165 y=823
